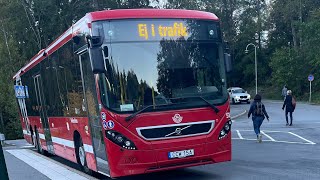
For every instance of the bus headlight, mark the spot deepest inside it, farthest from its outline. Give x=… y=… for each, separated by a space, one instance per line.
x=120 y=140
x=225 y=130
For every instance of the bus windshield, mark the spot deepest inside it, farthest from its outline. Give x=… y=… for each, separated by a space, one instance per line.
x=162 y=71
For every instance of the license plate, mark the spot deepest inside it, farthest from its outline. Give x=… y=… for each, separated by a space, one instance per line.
x=181 y=154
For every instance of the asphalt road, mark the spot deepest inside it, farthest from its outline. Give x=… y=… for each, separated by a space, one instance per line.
x=285 y=153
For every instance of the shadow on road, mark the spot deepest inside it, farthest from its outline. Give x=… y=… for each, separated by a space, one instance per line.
x=180 y=174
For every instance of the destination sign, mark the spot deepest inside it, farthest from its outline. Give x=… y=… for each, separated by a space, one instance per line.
x=176 y=30
x=160 y=29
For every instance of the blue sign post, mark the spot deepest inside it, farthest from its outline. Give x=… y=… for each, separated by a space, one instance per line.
x=310 y=78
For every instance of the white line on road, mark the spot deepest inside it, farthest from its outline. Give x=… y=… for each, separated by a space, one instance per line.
x=310 y=142
x=27 y=146
x=288 y=142
x=268 y=136
x=238 y=132
x=265 y=131
x=46 y=167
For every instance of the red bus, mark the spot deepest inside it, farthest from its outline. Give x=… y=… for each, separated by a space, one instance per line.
x=126 y=92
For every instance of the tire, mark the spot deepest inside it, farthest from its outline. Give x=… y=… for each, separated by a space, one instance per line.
x=233 y=102
x=81 y=157
x=248 y=102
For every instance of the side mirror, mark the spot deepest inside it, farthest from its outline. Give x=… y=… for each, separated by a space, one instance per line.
x=227 y=62
x=97 y=60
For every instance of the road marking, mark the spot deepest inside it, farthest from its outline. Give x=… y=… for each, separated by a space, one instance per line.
x=268 y=136
x=238 y=132
x=272 y=139
x=27 y=146
x=44 y=166
x=301 y=138
x=288 y=142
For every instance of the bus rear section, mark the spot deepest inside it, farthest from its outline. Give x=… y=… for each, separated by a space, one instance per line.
x=163 y=92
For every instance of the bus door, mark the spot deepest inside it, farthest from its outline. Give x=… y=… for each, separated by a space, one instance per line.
x=92 y=105
x=42 y=111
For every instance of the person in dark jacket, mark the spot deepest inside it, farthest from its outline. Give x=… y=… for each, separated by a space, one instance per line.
x=289 y=106
x=258 y=111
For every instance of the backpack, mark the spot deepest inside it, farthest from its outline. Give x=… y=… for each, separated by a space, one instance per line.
x=294 y=103
x=258 y=110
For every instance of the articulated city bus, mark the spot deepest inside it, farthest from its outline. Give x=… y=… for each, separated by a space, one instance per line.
x=126 y=92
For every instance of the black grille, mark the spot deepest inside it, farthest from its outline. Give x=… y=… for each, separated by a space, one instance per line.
x=176 y=131
x=243 y=96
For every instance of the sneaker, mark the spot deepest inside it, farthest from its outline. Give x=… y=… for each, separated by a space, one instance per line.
x=287 y=124
x=290 y=124
x=260 y=138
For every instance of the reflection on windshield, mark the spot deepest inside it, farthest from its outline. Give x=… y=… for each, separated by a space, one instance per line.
x=157 y=73
x=238 y=91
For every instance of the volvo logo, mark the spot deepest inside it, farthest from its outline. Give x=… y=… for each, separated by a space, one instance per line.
x=177 y=118
x=178 y=131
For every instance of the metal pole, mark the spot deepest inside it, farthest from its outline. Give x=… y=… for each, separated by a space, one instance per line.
x=310 y=93
x=256 y=69
x=255 y=63
x=3 y=167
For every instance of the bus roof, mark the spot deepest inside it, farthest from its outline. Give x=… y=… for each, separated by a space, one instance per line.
x=108 y=15
x=150 y=13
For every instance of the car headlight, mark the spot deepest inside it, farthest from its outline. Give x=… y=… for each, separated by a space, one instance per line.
x=249 y=97
x=237 y=97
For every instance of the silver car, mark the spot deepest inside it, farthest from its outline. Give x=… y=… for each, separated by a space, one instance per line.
x=238 y=95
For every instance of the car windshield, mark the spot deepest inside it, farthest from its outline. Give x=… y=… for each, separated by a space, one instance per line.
x=159 y=72
x=236 y=91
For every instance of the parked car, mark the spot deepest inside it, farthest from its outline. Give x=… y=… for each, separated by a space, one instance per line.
x=238 y=95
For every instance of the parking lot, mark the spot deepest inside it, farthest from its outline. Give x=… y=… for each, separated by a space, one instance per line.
x=272 y=136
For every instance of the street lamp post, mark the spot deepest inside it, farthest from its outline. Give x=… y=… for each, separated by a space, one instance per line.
x=255 y=63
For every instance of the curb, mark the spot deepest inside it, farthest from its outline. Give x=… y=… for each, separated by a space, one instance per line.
x=238 y=115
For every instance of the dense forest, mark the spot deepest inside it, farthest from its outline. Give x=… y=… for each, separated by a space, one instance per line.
x=286 y=33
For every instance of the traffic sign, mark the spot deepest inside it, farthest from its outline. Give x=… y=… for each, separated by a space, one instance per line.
x=310 y=77
x=19 y=91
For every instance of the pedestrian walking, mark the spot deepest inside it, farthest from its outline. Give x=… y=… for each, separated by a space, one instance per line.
x=290 y=105
x=284 y=92
x=258 y=112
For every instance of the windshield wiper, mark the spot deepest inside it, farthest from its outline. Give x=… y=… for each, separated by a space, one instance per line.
x=216 y=110
x=146 y=108
x=128 y=118
x=138 y=112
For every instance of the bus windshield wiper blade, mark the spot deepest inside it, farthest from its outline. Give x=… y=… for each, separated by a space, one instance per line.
x=148 y=107
x=216 y=110
x=138 y=112
x=128 y=118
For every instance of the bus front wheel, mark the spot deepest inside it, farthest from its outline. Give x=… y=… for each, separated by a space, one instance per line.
x=81 y=156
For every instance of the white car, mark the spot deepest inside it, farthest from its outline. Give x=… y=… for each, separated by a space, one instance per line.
x=238 y=95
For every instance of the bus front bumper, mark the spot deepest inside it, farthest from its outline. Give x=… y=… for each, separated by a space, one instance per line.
x=140 y=162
